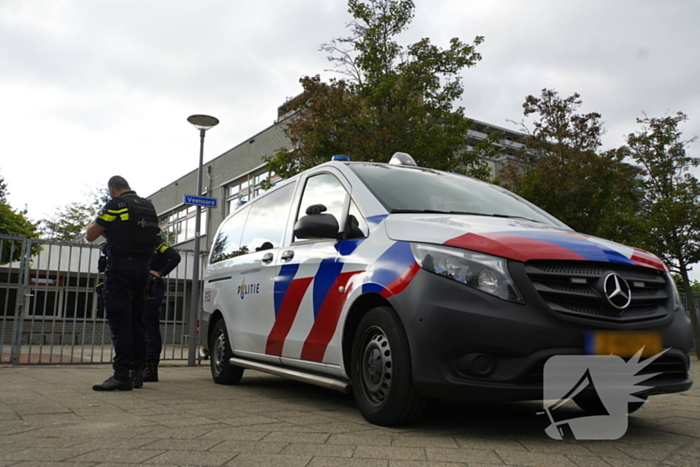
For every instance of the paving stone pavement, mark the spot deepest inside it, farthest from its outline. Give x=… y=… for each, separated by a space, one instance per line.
x=50 y=416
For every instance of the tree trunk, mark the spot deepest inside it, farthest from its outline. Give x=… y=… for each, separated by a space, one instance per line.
x=691 y=309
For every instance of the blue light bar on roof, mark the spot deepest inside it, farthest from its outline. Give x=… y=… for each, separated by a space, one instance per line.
x=340 y=158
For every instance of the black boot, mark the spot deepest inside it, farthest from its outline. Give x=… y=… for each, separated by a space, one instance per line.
x=150 y=372
x=114 y=384
x=137 y=375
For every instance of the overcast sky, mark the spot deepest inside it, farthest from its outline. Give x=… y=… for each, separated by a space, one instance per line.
x=89 y=89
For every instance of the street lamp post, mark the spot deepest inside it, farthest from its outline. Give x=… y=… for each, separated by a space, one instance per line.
x=202 y=123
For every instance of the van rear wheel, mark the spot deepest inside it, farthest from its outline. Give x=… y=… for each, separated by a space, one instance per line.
x=221 y=369
x=381 y=371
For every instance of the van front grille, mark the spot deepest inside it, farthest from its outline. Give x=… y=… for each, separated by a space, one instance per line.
x=577 y=289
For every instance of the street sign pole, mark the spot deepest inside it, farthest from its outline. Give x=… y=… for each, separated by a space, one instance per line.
x=202 y=123
x=194 y=306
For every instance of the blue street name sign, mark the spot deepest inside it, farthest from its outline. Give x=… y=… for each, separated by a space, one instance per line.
x=200 y=201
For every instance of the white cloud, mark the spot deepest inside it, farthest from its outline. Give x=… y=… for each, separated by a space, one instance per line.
x=89 y=89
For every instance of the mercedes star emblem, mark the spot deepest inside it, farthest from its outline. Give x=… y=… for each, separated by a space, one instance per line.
x=617 y=291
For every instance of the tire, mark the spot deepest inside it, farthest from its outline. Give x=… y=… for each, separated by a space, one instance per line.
x=593 y=406
x=221 y=370
x=381 y=374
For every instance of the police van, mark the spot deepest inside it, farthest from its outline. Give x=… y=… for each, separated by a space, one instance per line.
x=402 y=284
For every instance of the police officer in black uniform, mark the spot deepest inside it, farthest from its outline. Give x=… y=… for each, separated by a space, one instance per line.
x=163 y=261
x=130 y=225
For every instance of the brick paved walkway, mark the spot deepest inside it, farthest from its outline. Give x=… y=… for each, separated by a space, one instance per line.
x=49 y=416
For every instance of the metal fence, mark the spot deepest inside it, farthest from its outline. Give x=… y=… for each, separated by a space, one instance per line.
x=48 y=305
x=49 y=312
x=696 y=300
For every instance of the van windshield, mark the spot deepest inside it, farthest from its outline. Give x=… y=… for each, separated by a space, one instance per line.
x=419 y=190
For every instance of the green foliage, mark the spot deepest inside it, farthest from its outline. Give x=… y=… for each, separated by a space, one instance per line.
x=671 y=197
x=694 y=284
x=71 y=220
x=15 y=224
x=392 y=99
x=671 y=192
x=566 y=175
x=560 y=129
x=3 y=190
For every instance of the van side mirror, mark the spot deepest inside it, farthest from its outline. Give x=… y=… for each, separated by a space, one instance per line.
x=316 y=224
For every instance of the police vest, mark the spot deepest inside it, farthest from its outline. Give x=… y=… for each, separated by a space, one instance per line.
x=143 y=228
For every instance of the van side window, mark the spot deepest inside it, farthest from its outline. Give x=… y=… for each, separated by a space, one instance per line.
x=227 y=243
x=356 y=225
x=327 y=190
x=267 y=220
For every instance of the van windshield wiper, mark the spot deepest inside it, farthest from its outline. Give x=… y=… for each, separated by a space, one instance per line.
x=423 y=211
x=517 y=217
x=469 y=213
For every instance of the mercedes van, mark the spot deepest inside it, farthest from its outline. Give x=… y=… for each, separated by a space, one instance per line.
x=402 y=284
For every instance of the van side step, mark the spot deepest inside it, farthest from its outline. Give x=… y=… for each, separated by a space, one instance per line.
x=328 y=382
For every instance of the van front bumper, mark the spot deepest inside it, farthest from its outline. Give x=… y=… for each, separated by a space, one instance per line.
x=468 y=345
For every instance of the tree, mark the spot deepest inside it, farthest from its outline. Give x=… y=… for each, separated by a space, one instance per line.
x=3 y=190
x=391 y=99
x=563 y=171
x=71 y=220
x=671 y=197
x=15 y=224
x=694 y=284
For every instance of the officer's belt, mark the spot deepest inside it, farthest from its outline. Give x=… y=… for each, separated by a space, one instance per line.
x=131 y=259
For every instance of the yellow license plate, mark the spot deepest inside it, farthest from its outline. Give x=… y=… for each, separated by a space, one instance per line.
x=623 y=343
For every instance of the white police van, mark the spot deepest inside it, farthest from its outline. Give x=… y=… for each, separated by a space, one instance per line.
x=403 y=284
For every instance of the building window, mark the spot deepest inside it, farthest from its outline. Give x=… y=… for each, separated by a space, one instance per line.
x=8 y=300
x=172 y=310
x=58 y=296
x=179 y=226
x=246 y=188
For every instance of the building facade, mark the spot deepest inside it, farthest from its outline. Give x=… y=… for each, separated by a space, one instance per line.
x=232 y=177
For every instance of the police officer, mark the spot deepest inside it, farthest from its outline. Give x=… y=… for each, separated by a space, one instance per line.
x=130 y=225
x=163 y=261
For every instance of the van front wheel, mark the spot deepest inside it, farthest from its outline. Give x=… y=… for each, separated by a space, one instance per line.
x=381 y=371
x=221 y=369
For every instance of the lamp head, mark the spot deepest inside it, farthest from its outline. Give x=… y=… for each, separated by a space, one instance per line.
x=203 y=122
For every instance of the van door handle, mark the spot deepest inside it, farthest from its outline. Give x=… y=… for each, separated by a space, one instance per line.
x=267 y=258
x=287 y=255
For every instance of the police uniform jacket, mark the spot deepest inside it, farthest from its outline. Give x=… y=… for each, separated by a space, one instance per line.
x=114 y=218
x=164 y=259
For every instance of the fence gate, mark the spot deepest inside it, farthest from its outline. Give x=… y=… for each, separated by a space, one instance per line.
x=48 y=305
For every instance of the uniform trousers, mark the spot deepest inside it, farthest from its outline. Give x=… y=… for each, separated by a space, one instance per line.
x=154 y=341
x=125 y=285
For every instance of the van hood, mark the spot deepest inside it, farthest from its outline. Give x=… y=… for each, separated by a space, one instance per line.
x=515 y=239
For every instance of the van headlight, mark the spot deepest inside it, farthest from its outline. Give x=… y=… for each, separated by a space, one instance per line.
x=483 y=272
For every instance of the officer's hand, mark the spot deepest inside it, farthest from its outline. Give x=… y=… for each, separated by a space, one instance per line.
x=157 y=274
